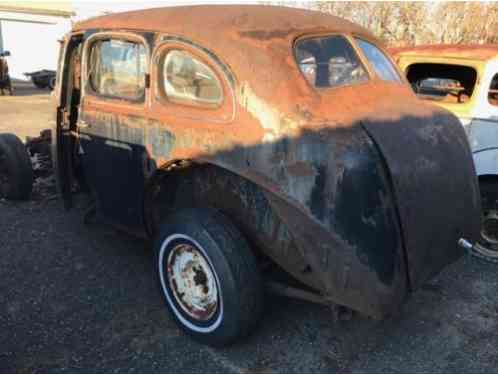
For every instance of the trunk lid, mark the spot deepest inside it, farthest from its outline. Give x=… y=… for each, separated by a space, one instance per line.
x=435 y=187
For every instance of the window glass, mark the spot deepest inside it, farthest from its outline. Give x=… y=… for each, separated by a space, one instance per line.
x=446 y=83
x=118 y=68
x=381 y=64
x=329 y=61
x=188 y=80
x=493 y=91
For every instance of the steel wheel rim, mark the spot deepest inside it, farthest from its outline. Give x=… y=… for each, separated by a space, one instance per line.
x=192 y=282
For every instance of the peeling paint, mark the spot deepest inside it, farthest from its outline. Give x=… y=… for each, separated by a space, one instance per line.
x=333 y=185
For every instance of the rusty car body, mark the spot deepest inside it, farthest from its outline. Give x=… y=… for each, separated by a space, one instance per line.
x=5 y=82
x=359 y=191
x=471 y=72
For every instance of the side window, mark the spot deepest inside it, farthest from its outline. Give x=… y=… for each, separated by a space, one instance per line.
x=379 y=61
x=117 y=69
x=185 y=79
x=448 y=83
x=329 y=61
x=493 y=91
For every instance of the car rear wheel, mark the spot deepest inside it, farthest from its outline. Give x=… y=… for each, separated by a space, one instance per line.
x=487 y=246
x=208 y=276
x=16 y=172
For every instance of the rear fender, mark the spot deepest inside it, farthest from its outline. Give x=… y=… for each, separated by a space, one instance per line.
x=343 y=240
x=187 y=184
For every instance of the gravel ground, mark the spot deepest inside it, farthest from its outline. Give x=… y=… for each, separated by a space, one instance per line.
x=81 y=298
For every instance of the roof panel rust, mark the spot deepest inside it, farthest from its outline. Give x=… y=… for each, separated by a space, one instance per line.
x=479 y=52
x=203 y=22
x=254 y=41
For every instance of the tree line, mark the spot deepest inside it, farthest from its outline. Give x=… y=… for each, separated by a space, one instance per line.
x=413 y=23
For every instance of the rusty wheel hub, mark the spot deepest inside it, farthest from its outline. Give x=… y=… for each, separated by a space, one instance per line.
x=193 y=282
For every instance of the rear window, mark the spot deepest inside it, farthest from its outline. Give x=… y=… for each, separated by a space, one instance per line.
x=329 y=61
x=186 y=79
x=117 y=68
x=442 y=82
x=379 y=61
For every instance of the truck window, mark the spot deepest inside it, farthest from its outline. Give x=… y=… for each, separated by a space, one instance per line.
x=117 y=69
x=446 y=83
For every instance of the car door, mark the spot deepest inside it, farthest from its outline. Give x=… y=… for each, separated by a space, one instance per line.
x=111 y=124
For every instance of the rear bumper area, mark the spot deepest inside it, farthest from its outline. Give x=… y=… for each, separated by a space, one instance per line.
x=431 y=170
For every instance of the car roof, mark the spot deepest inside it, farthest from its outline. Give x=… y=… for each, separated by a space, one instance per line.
x=205 y=22
x=480 y=52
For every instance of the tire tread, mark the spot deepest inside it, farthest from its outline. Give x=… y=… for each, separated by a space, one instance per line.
x=241 y=262
x=20 y=166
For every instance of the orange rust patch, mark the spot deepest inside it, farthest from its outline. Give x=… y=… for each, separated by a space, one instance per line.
x=467 y=51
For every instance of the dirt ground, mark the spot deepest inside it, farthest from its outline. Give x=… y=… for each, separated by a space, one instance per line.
x=81 y=298
x=27 y=112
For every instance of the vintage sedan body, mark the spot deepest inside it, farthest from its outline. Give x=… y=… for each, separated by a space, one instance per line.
x=464 y=80
x=247 y=140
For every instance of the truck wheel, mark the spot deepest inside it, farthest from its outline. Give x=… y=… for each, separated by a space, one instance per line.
x=51 y=83
x=487 y=246
x=16 y=172
x=39 y=83
x=208 y=276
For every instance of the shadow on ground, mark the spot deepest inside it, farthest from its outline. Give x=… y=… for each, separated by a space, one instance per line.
x=79 y=298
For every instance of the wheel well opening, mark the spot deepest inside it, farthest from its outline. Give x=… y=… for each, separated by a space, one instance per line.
x=488 y=178
x=187 y=184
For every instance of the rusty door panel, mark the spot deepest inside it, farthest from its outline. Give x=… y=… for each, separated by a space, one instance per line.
x=114 y=159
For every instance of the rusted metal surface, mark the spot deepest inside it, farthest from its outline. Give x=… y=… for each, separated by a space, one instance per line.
x=193 y=282
x=39 y=150
x=230 y=22
x=4 y=69
x=463 y=51
x=335 y=185
x=431 y=152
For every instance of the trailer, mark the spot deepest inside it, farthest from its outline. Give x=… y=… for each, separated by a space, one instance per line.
x=43 y=78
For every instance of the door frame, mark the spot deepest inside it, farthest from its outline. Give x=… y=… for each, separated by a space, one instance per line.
x=63 y=134
x=95 y=128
